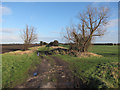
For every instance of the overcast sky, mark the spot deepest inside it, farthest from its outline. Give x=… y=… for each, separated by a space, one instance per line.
x=49 y=19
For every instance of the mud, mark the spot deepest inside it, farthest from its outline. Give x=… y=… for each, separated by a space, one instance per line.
x=52 y=73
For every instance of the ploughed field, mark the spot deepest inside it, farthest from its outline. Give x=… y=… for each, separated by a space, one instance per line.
x=13 y=47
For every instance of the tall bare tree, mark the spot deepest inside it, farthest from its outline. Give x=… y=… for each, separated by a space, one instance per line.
x=29 y=36
x=92 y=23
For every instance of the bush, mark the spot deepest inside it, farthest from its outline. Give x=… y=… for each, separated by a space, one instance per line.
x=50 y=44
x=44 y=43
x=41 y=43
x=73 y=47
x=55 y=43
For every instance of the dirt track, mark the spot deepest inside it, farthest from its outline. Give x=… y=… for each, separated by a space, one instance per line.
x=52 y=73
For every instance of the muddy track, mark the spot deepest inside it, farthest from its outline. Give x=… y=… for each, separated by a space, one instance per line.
x=52 y=73
x=65 y=78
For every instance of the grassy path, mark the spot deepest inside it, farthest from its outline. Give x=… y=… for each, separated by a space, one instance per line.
x=52 y=73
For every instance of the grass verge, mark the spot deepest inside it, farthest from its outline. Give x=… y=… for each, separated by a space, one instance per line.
x=15 y=68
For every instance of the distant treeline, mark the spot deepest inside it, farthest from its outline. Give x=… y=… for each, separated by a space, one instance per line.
x=106 y=44
x=37 y=44
x=98 y=43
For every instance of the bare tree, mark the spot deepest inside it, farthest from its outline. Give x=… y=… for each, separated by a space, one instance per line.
x=29 y=36
x=92 y=23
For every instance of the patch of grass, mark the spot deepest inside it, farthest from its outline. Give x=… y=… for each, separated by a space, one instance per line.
x=35 y=48
x=105 y=50
x=65 y=46
x=45 y=49
x=98 y=72
x=15 y=68
x=107 y=73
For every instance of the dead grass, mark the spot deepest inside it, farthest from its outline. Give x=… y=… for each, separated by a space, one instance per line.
x=54 y=47
x=88 y=54
x=33 y=49
x=20 y=52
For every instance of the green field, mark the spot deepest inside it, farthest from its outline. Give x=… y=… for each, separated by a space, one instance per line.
x=96 y=71
x=15 y=68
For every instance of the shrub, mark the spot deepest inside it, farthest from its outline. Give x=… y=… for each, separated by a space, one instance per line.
x=55 y=43
x=44 y=43
x=41 y=43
